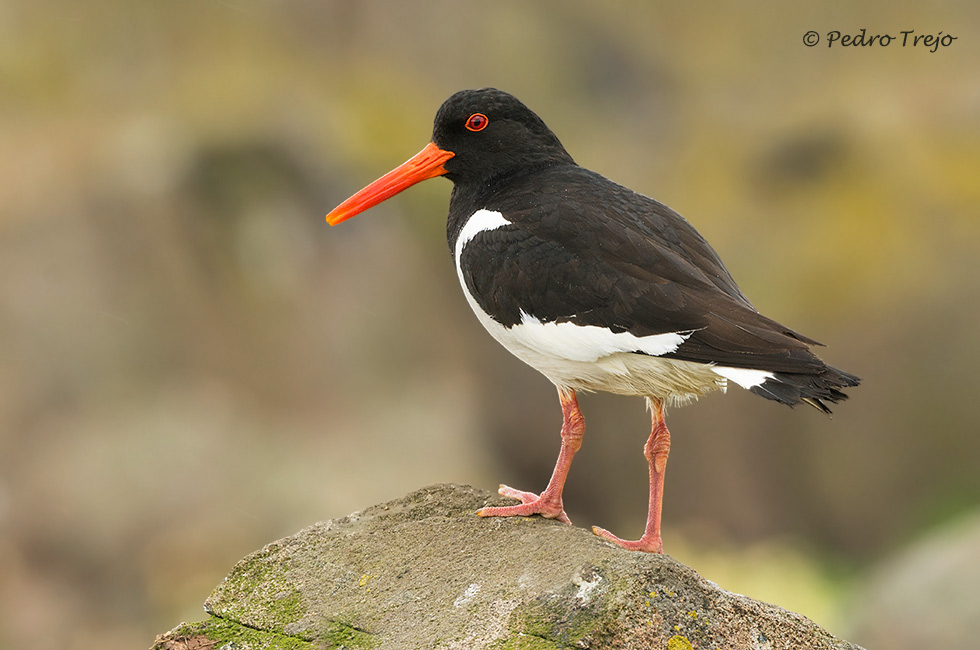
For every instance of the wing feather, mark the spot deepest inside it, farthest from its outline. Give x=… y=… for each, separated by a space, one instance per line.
x=591 y=252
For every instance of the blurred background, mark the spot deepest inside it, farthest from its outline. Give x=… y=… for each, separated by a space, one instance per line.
x=193 y=364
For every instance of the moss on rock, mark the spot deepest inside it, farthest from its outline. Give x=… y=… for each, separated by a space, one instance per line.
x=424 y=572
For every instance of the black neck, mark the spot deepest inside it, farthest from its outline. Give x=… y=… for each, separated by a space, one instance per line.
x=467 y=198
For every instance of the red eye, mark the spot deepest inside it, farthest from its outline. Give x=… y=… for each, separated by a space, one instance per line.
x=477 y=122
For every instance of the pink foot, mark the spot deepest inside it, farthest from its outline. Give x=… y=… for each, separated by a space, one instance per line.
x=647 y=544
x=531 y=504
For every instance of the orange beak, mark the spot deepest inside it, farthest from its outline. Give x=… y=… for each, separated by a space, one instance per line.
x=425 y=164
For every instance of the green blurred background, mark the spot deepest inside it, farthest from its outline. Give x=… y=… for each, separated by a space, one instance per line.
x=193 y=364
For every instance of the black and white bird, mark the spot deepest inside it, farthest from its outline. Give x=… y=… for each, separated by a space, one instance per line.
x=595 y=286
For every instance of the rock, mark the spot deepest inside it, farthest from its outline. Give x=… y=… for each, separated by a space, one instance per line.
x=425 y=572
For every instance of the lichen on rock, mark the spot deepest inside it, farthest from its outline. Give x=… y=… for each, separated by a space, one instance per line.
x=424 y=572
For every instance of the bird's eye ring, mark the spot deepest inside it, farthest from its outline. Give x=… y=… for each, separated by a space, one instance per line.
x=477 y=122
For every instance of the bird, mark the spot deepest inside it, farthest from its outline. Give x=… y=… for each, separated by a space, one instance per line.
x=596 y=286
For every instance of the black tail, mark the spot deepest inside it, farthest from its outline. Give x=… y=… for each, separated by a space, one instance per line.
x=792 y=388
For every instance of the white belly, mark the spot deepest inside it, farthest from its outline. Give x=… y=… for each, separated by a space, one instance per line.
x=557 y=352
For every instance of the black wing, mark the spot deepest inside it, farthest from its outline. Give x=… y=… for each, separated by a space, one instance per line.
x=591 y=252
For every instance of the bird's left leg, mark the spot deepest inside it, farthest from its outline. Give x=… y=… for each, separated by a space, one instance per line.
x=549 y=503
x=656 y=450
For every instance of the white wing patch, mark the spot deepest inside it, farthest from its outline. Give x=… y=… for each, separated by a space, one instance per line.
x=590 y=343
x=744 y=377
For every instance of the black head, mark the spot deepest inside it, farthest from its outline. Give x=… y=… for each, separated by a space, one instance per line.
x=493 y=135
x=480 y=137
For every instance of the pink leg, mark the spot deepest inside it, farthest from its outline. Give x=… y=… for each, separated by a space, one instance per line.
x=548 y=504
x=656 y=450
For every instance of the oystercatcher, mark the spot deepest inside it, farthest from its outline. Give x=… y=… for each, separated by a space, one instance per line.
x=595 y=286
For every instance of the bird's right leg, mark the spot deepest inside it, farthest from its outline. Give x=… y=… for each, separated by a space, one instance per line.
x=548 y=504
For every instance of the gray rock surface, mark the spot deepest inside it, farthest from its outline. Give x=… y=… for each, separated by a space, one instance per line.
x=425 y=572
